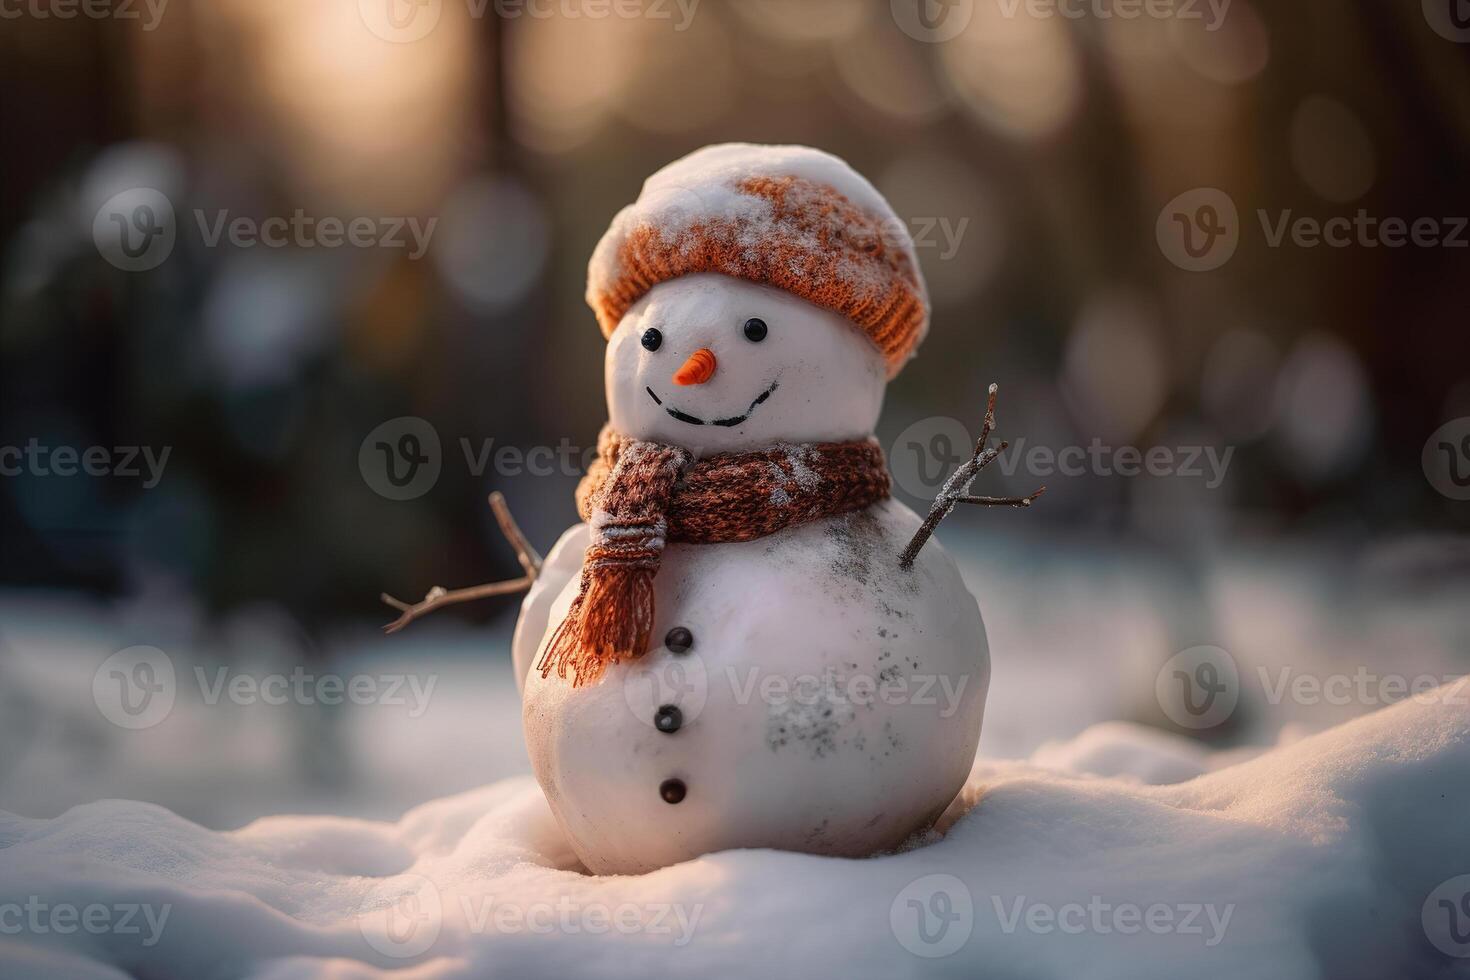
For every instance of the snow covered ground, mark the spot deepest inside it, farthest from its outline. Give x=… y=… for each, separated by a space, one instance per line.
x=1326 y=858
x=1337 y=854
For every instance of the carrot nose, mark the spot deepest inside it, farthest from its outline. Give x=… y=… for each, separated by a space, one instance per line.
x=698 y=369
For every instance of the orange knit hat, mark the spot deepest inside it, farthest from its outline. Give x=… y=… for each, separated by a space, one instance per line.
x=785 y=216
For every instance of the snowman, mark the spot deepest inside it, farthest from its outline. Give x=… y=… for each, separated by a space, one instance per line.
x=727 y=653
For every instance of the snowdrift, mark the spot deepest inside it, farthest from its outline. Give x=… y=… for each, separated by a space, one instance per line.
x=1337 y=856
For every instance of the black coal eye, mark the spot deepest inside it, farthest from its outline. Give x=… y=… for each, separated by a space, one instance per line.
x=652 y=339
x=755 y=330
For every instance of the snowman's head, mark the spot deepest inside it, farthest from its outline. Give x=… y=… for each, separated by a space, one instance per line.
x=715 y=364
x=753 y=295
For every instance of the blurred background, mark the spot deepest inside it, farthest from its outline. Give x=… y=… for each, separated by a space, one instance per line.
x=245 y=243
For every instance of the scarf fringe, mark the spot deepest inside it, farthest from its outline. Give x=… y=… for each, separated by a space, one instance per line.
x=611 y=620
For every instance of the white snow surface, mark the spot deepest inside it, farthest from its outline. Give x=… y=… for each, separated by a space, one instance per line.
x=727 y=164
x=1312 y=859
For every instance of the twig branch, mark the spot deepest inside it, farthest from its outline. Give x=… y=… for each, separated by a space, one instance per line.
x=439 y=596
x=1003 y=501
x=956 y=489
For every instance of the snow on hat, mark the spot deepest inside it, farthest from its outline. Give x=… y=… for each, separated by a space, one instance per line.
x=785 y=216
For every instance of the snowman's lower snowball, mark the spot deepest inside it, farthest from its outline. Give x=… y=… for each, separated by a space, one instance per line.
x=827 y=703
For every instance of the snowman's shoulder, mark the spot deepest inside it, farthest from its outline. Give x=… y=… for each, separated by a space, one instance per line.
x=933 y=564
x=864 y=546
x=896 y=516
x=885 y=526
x=560 y=565
x=569 y=547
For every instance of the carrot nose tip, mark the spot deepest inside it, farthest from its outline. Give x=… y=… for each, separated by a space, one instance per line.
x=698 y=369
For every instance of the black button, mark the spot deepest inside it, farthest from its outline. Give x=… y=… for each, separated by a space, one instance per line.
x=668 y=719
x=652 y=338
x=679 y=640
x=755 y=330
x=672 y=790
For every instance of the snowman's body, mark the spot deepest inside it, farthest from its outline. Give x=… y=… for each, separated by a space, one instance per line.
x=801 y=690
x=828 y=702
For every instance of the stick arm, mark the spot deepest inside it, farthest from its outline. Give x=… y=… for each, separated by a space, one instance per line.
x=956 y=489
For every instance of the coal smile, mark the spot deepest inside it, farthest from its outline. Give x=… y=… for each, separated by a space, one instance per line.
x=692 y=420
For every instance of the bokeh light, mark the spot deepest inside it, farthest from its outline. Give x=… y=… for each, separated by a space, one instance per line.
x=1331 y=150
x=888 y=75
x=1238 y=383
x=805 y=21
x=1323 y=409
x=1232 y=50
x=958 y=226
x=1017 y=74
x=1114 y=372
x=564 y=74
x=492 y=243
x=356 y=120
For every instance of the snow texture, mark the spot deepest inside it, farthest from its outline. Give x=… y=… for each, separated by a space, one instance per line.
x=1314 y=859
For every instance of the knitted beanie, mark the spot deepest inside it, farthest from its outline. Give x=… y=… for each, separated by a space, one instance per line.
x=785 y=216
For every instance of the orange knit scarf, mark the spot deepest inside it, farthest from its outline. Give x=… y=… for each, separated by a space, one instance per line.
x=638 y=495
